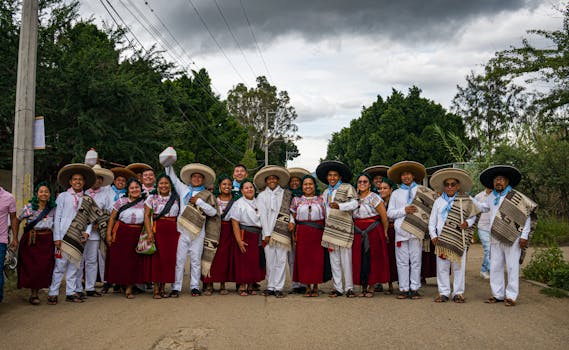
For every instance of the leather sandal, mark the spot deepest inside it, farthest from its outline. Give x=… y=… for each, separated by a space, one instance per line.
x=403 y=295
x=52 y=300
x=441 y=299
x=509 y=302
x=334 y=294
x=34 y=300
x=414 y=295
x=459 y=299
x=174 y=293
x=493 y=300
x=350 y=294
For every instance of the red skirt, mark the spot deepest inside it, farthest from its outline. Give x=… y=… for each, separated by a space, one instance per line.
x=36 y=262
x=248 y=267
x=309 y=256
x=378 y=258
x=391 y=253
x=429 y=263
x=163 y=266
x=125 y=265
x=222 y=269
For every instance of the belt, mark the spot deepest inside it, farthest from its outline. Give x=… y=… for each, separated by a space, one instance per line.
x=313 y=224
x=33 y=233
x=169 y=218
x=253 y=229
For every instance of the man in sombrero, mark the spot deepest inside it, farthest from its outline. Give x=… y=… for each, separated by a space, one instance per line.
x=450 y=228
x=121 y=175
x=513 y=219
x=341 y=199
x=410 y=206
x=145 y=174
x=274 y=211
x=197 y=223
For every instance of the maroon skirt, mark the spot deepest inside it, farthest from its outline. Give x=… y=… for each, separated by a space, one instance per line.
x=125 y=265
x=36 y=261
x=222 y=269
x=309 y=256
x=378 y=258
x=391 y=253
x=248 y=268
x=429 y=263
x=163 y=267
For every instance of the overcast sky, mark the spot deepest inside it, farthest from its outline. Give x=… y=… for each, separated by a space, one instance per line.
x=333 y=56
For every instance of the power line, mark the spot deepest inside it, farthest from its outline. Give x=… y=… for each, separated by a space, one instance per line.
x=255 y=40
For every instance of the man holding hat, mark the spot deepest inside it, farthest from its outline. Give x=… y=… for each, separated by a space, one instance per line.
x=341 y=199
x=74 y=177
x=409 y=228
x=198 y=207
x=93 y=259
x=512 y=222
x=450 y=227
x=274 y=211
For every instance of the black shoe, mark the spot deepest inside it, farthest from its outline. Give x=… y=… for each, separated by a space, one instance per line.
x=279 y=294
x=267 y=292
x=136 y=290
x=81 y=296
x=174 y=294
x=378 y=288
x=256 y=287
x=73 y=299
x=93 y=293
x=299 y=290
x=196 y=292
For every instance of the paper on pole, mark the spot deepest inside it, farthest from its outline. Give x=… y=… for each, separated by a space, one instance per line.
x=39 y=133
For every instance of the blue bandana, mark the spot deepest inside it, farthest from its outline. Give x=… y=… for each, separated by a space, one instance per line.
x=188 y=195
x=236 y=184
x=335 y=187
x=502 y=194
x=118 y=193
x=409 y=188
x=449 y=201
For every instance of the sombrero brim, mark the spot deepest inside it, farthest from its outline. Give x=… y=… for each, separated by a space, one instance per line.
x=375 y=170
x=138 y=168
x=298 y=172
x=269 y=170
x=123 y=172
x=326 y=166
x=106 y=174
x=417 y=169
x=487 y=176
x=207 y=173
x=438 y=178
x=65 y=174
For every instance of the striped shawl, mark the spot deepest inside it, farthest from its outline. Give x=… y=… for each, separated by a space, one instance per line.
x=281 y=236
x=418 y=223
x=339 y=228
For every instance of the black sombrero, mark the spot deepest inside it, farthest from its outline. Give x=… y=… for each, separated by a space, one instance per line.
x=487 y=176
x=327 y=165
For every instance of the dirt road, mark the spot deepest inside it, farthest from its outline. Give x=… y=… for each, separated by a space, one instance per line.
x=295 y=322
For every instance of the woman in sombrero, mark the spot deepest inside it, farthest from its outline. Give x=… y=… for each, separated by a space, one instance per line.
x=125 y=226
x=370 y=262
x=35 y=256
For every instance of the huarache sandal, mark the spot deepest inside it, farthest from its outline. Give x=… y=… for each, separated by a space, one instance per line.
x=350 y=294
x=208 y=292
x=34 y=300
x=279 y=294
x=73 y=299
x=223 y=291
x=174 y=293
x=94 y=293
x=378 y=288
x=308 y=293
x=334 y=294
x=243 y=293
x=156 y=296
x=315 y=293
x=52 y=300
x=369 y=294
x=403 y=295
x=441 y=299
x=105 y=288
x=493 y=300
x=459 y=299
x=509 y=302
x=414 y=295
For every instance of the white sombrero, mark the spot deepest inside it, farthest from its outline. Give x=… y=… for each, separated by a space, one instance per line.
x=65 y=174
x=417 y=169
x=298 y=172
x=440 y=176
x=376 y=170
x=207 y=173
x=123 y=172
x=139 y=168
x=106 y=174
x=269 y=170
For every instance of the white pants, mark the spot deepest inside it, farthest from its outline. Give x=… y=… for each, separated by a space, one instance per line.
x=63 y=267
x=276 y=258
x=502 y=254
x=93 y=261
x=195 y=248
x=443 y=276
x=408 y=258
x=341 y=264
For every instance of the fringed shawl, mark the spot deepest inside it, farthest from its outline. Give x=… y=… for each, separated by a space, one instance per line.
x=453 y=241
x=88 y=213
x=281 y=236
x=339 y=228
x=418 y=223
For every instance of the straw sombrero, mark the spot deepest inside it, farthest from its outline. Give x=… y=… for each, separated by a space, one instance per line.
x=487 y=176
x=327 y=165
x=139 y=168
x=417 y=169
x=440 y=176
x=207 y=173
x=65 y=174
x=298 y=172
x=269 y=170
x=106 y=174
x=123 y=172
x=376 y=170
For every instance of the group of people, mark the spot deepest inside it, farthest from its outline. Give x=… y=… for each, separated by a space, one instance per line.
x=386 y=227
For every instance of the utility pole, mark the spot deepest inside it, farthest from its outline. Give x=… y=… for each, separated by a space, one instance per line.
x=23 y=155
x=266 y=137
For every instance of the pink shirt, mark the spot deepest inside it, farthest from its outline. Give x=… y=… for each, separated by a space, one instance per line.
x=7 y=206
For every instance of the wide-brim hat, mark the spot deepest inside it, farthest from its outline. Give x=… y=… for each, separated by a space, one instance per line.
x=326 y=166
x=440 y=176
x=65 y=174
x=106 y=174
x=207 y=173
x=487 y=176
x=123 y=172
x=139 y=168
x=375 y=170
x=417 y=169
x=298 y=172
x=266 y=171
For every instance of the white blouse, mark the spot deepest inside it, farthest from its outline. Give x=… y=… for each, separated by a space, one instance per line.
x=308 y=208
x=246 y=212
x=133 y=215
x=30 y=214
x=367 y=206
x=157 y=203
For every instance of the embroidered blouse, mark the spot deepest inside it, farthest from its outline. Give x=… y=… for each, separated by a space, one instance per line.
x=222 y=205
x=308 y=208
x=133 y=215
x=367 y=206
x=157 y=203
x=30 y=214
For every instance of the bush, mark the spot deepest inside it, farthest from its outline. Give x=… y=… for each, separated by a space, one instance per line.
x=543 y=264
x=551 y=231
x=560 y=277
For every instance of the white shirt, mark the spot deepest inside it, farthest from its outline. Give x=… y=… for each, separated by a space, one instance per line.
x=436 y=221
x=104 y=197
x=269 y=203
x=494 y=211
x=484 y=222
x=396 y=211
x=67 y=206
x=246 y=212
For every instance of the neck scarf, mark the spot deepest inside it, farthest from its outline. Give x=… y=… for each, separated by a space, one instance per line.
x=118 y=193
x=331 y=190
x=92 y=192
x=76 y=197
x=449 y=201
x=236 y=184
x=192 y=189
x=409 y=188
x=497 y=194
